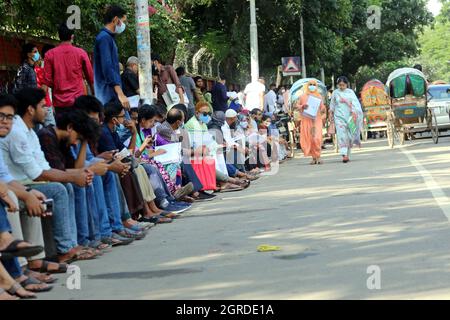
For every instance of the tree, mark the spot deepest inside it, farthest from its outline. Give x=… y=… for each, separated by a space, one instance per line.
x=435 y=46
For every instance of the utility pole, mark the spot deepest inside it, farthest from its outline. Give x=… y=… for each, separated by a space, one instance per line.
x=303 y=46
x=254 y=42
x=144 y=51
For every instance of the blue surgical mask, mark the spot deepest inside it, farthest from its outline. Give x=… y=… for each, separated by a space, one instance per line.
x=244 y=125
x=121 y=28
x=205 y=119
x=36 y=57
x=312 y=88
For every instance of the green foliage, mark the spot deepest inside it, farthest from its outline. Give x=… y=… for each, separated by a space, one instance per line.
x=435 y=46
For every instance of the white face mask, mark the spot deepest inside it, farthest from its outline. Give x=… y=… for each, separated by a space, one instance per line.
x=121 y=28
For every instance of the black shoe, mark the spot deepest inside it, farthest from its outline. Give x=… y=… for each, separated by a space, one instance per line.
x=204 y=197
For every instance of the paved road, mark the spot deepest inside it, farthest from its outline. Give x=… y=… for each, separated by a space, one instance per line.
x=388 y=208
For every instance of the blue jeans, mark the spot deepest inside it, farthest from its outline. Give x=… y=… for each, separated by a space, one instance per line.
x=11 y=265
x=124 y=212
x=159 y=185
x=63 y=219
x=98 y=209
x=232 y=170
x=82 y=216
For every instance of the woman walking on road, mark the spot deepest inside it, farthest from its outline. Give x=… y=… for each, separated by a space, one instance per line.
x=312 y=126
x=348 y=117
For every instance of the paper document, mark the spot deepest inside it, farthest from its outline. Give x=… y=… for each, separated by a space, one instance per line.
x=314 y=104
x=134 y=101
x=172 y=155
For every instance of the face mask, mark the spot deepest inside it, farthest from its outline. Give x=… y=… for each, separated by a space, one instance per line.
x=121 y=28
x=233 y=126
x=36 y=57
x=244 y=125
x=205 y=119
x=312 y=88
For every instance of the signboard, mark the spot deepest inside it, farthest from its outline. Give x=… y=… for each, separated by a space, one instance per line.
x=291 y=66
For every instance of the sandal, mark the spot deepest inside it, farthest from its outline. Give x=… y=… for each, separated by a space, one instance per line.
x=231 y=188
x=47 y=279
x=45 y=268
x=319 y=161
x=13 y=250
x=34 y=282
x=345 y=159
x=14 y=291
x=170 y=215
x=100 y=246
x=313 y=162
x=156 y=220
x=5 y=296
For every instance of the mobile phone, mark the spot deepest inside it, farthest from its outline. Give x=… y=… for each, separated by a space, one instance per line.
x=48 y=206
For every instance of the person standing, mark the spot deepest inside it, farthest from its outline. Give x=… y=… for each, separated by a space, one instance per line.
x=189 y=87
x=107 y=81
x=270 y=100
x=348 y=117
x=26 y=75
x=219 y=95
x=130 y=78
x=254 y=95
x=65 y=68
x=311 y=128
x=166 y=75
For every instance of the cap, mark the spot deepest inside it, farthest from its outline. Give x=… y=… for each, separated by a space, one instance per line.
x=231 y=114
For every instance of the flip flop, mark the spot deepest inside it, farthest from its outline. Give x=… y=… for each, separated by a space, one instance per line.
x=13 y=251
x=14 y=291
x=40 y=276
x=32 y=281
x=10 y=298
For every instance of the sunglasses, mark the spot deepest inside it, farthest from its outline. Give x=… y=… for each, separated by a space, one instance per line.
x=205 y=114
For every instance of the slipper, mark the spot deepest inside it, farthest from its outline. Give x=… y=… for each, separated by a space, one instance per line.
x=40 y=276
x=14 y=291
x=231 y=189
x=170 y=215
x=62 y=268
x=9 y=297
x=32 y=281
x=13 y=251
x=267 y=248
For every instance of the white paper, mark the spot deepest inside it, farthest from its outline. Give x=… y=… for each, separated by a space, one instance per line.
x=314 y=104
x=172 y=155
x=134 y=101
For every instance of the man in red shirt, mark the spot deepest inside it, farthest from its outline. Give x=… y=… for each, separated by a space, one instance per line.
x=65 y=70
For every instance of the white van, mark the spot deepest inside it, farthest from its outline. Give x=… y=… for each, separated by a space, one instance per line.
x=439 y=102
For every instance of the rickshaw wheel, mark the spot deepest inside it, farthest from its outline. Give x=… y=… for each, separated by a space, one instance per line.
x=402 y=137
x=390 y=135
x=434 y=128
x=365 y=134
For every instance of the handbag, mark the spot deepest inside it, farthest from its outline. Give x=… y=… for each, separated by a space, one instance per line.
x=205 y=169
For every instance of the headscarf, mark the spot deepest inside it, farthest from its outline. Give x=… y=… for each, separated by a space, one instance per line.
x=308 y=92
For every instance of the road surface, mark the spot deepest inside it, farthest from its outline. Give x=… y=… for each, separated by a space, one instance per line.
x=387 y=210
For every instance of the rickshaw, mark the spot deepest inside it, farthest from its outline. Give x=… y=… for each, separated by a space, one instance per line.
x=409 y=112
x=295 y=93
x=375 y=103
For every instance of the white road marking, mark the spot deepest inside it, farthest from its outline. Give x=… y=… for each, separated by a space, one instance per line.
x=439 y=195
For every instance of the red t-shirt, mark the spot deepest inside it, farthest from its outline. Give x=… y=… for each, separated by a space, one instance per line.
x=40 y=79
x=65 y=69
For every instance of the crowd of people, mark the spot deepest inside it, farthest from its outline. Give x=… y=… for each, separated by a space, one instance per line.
x=84 y=168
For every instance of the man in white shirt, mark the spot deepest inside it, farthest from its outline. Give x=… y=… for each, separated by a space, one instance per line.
x=270 y=100
x=254 y=95
x=26 y=162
